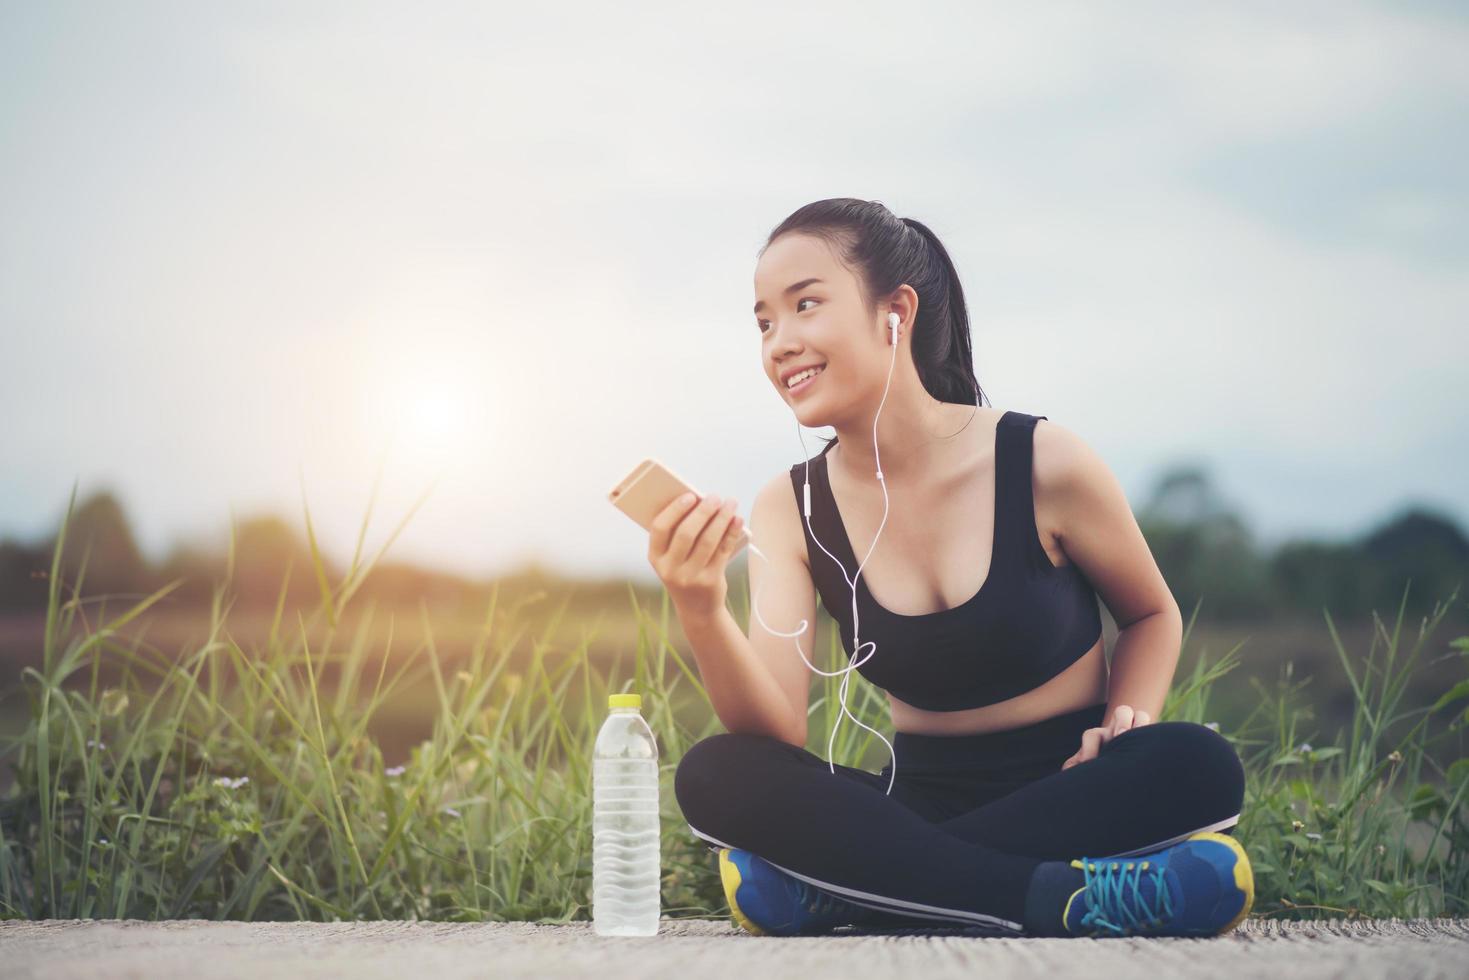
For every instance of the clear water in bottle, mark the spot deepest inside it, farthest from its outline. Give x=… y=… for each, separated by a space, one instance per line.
x=626 y=869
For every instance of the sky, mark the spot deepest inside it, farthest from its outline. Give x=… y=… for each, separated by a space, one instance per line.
x=254 y=258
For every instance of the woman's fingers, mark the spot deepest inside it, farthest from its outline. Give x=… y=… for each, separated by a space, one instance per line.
x=1124 y=719
x=690 y=530
x=1091 y=742
x=733 y=535
x=714 y=533
x=661 y=531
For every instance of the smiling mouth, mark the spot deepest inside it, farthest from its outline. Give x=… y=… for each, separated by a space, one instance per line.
x=800 y=387
x=810 y=379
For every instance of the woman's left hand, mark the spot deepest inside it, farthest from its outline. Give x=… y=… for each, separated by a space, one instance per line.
x=1093 y=739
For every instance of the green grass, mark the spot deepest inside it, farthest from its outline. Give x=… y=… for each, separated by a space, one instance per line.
x=231 y=783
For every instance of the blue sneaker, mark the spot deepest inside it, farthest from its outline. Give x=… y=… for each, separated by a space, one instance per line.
x=766 y=901
x=1200 y=887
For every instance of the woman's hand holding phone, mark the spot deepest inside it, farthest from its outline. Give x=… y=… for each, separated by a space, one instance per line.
x=689 y=544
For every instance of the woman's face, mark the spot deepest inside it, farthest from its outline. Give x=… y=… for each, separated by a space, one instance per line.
x=818 y=323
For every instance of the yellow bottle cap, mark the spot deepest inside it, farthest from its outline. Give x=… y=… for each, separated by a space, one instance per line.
x=624 y=700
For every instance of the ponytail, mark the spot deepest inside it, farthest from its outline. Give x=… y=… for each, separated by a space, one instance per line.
x=946 y=349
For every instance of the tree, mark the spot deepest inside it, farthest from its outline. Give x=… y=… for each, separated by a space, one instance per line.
x=1418 y=545
x=100 y=535
x=1202 y=547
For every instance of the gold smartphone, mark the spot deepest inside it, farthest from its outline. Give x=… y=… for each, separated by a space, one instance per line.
x=649 y=488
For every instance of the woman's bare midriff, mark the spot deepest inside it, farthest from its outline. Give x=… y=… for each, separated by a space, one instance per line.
x=1082 y=684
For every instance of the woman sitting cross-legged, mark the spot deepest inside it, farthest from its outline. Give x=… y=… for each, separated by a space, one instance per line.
x=1031 y=790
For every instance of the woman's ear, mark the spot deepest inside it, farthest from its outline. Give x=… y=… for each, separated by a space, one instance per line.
x=903 y=304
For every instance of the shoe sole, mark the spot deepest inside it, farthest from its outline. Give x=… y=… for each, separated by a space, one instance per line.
x=1244 y=876
x=729 y=874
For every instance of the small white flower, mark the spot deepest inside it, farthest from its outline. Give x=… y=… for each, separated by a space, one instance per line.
x=1305 y=746
x=228 y=783
x=394 y=771
x=97 y=744
x=451 y=811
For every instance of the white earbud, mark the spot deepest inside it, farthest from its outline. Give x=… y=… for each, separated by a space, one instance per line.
x=893 y=321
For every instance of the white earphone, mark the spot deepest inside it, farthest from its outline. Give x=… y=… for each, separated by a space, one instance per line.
x=893 y=321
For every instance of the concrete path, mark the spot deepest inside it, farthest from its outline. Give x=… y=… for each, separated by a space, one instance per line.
x=703 y=949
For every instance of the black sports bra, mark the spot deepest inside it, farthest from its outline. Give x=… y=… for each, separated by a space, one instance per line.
x=1029 y=621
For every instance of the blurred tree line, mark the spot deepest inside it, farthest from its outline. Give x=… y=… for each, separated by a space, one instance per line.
x=1203 y=547
x=269 y=554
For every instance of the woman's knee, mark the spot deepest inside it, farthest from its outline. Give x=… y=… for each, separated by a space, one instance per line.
x=719 y=774
x=1198 y=757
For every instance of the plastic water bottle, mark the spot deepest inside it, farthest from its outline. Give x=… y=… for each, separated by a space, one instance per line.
x=625 y=830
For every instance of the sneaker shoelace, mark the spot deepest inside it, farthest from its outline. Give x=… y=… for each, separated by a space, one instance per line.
x=1106 y=893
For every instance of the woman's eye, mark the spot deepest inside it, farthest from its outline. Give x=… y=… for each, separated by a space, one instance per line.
x=762 y=324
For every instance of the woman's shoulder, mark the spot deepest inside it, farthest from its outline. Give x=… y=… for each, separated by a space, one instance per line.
x=1061 y=458
x=775 y=515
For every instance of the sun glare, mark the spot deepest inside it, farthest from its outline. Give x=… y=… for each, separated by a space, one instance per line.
x=434 y=418
x=426 y=409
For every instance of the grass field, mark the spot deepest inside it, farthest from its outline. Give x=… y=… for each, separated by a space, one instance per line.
x=242 y=773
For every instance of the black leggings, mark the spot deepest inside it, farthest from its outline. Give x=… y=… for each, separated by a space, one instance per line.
x=969 y=818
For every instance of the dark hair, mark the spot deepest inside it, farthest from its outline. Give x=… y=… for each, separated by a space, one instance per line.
x=884 y=252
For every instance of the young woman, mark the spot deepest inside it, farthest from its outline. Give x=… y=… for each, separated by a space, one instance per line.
x=1018 y=752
